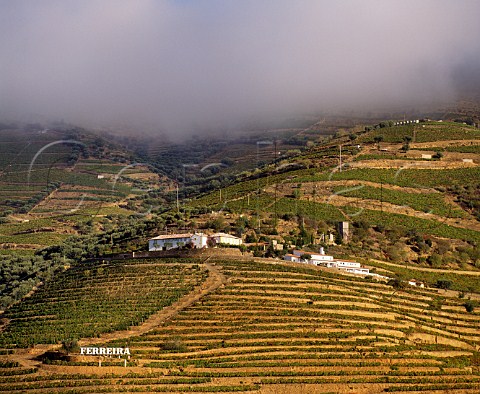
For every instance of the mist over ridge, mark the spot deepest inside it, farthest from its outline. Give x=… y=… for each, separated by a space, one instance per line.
x=184 y=65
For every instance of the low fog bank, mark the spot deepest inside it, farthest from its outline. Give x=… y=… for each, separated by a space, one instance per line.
x=178 y=66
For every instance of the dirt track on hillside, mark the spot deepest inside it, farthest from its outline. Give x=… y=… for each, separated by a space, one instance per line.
x=443 y=144
x=426 y=269
x=376 y=205
x=418 y=165
x=309 y=186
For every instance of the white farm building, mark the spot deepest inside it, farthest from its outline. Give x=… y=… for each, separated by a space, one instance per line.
x=174 y=241
x=291 y=257
x=323 y=260
x=316 y=258
x=197 y=240
x=225 y=239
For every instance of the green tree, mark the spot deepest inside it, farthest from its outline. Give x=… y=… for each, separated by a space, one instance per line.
x=70 y=346
x=397 y=283
x=377 y=139
x=306 y=257
x=435 y=260
x=443 y=284
x=470 y=306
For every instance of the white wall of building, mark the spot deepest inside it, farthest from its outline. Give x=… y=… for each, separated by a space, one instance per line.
x=326 y=264
x=158 y=243
x=315 y=256
x=199 y=240
x=323 y=260
x=291 y=257
x=347 y=264
x=226 y=239
x=360 y=271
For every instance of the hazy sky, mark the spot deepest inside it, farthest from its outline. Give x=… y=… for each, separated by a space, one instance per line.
x=182 y=64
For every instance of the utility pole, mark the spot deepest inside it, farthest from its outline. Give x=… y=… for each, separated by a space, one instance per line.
x=258 y=179
x=184 y=182
x=184 y=191
x=257 y=203
x=276 y=187
x=340 y=158
x=381 y=196
x=178 y=203
x=314 y=192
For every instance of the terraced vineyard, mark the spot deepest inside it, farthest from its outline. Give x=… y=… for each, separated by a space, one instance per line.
x=92 y=298
x=277 y=328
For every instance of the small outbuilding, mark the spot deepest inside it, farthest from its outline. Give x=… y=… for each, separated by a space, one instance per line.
x=226 y=239
x=292 y=257
x=416 y=283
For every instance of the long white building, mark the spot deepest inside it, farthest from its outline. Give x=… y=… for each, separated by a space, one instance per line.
x=175 y=241
x=197 y=240
x=323 y=260
x=316 y=257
